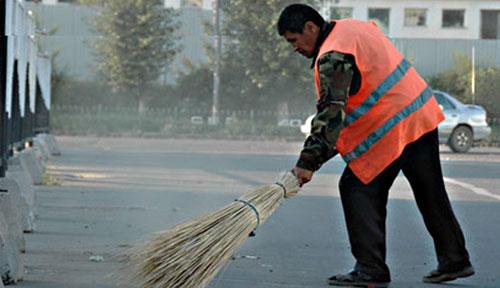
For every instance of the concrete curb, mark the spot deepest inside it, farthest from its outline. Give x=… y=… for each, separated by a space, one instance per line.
x=32 y=165
x=5 y=249
x=18 y=204
x=12 y=235
x=9 y=255
x=9 y=205
x=27 y=205
x=41 y=159
x=41 y=145
x=51 y=144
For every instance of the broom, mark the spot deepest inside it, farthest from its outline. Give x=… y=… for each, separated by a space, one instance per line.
x=191 y=254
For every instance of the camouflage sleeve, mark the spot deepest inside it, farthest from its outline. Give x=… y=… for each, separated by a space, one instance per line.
x=336 y=73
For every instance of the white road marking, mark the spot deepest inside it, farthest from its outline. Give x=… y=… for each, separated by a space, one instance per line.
x=476 y=190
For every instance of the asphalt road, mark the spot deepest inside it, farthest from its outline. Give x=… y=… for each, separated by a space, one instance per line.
x=112 y=193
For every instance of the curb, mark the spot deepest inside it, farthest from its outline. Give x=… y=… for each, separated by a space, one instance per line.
x=12 y=234
x=18 y=204
x=27 y=203
x=32 y=166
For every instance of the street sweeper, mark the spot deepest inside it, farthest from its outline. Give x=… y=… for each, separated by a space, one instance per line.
x=375 y=110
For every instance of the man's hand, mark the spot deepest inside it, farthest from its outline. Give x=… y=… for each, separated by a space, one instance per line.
x=303 y=175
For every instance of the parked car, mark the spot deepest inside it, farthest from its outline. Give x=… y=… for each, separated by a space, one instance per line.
x=464 y=124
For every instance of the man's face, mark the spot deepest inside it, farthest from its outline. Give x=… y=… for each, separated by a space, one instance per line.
x=304 y=42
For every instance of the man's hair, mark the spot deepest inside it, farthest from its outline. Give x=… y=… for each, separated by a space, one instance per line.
x=294 y=17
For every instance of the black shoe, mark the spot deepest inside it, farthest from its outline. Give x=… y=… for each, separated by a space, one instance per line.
x=356 y=279
x=437 y=276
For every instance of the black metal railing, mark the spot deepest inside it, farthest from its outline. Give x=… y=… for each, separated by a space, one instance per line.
x=19 y=130
x=41 y=118
x=18 y=123
x=3 y=82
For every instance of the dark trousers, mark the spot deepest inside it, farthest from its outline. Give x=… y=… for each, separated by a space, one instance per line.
x=365 y=209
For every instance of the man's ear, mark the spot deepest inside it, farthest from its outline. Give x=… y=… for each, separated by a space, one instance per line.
x=311 y=27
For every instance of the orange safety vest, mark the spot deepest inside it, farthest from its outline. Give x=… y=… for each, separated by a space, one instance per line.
x=393 y=107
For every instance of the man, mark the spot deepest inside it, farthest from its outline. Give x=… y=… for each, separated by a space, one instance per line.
x=376 y=111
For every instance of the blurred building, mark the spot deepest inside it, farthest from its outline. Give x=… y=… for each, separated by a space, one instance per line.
x=474 y=19
x=204 y=4
x=73 y=37
x=428 y=32
x=443 y=19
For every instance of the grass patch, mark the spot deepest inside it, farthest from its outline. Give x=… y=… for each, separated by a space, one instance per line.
x=50 y=180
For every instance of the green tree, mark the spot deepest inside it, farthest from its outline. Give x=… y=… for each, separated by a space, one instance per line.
x=456 y=80
x=259 y=70
x=487 y=90
x=266 y=73
x=137 y=41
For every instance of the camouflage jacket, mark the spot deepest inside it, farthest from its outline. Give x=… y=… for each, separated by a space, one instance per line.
x=339 y=78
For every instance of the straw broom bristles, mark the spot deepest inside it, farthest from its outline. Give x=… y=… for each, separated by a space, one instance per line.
x=191 y=254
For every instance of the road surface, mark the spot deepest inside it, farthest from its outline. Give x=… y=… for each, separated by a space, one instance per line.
x=114 y=192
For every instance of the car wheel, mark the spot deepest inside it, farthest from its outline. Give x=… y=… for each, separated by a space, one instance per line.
x=461 y=139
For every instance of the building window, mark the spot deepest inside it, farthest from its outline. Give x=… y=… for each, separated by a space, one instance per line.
x=192 y=3
x=453 y=18
x=415 y=17
x=490 y=24
x=381 y=17
x=340 y=12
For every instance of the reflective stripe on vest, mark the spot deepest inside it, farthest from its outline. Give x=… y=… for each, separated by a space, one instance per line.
x=380 y=132
x=385 y=86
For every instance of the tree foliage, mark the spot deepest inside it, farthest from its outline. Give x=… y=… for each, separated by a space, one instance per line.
x=458 y=80
x=260 y=69
x=137 y=42
x=254 y=47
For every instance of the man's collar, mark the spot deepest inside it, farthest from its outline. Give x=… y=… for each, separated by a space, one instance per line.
x=323 y=33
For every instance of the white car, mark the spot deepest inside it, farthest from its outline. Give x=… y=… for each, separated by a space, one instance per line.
x=463 y=125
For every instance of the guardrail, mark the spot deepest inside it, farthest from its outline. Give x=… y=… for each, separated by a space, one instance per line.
x=196 y=116
x=173 y=122
x=25 y=82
